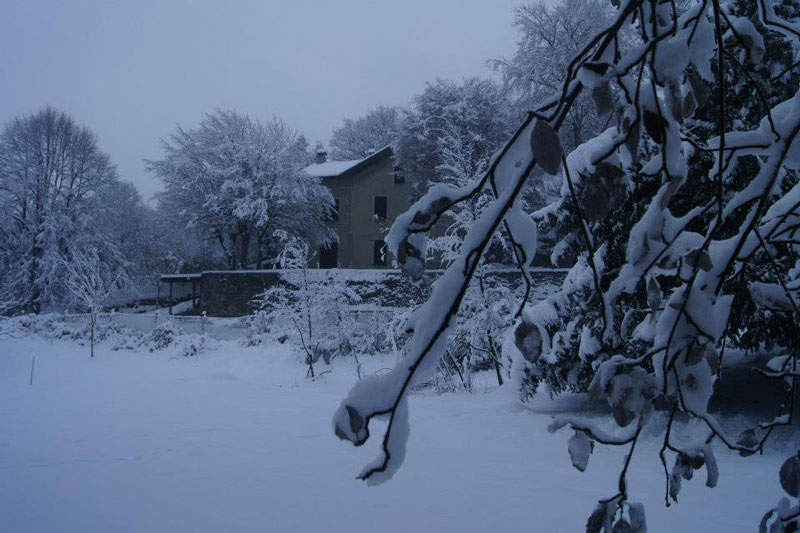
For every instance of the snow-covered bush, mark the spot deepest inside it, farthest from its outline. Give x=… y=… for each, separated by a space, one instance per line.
x=75 y=328
x=477 y=336
x=668 y=207
x=164 y=335
x=169 y=334
x=192 y=344
x=311 y=307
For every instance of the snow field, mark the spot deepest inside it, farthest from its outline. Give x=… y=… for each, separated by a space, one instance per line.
x=236 y=439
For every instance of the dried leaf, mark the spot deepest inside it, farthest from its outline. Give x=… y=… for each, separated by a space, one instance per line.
x=603 y=191
x=672 y=187
x=757 y=53
x=674 y=100
x=632 y=141
x=622 y=415
x=617 y=194
x=607 y=170
x=695 y=353
x=597 y=519
x=622 y=526
x=595 y=200
x=598 y=67
x=699 y=259
x=422 y=219
x=356 y=420
x=790 y=476
x=655 y=126
x=699 y=88
x=690 y=382
x=546 y=147
x=580 y=447
x=603 y=99
x=674 y=485
x=712 y=357
x=528 y=341
x=653 y=294
x=637 y=516
x=339 y=432
x=596 y=389
x=747 y=439
x=689 y=104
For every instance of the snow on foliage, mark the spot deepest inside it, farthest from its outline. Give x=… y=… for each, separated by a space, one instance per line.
x=358 y=138
x=670 y=210
x=52 y=174
x=239 y=181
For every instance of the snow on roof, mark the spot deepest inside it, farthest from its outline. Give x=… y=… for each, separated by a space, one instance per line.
x=336 y=168
x=330 y=168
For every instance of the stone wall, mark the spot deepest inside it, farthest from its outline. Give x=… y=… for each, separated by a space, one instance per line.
x=231 y=293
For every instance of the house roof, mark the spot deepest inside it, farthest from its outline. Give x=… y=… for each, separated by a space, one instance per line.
x=180 y=277
x=331 y=169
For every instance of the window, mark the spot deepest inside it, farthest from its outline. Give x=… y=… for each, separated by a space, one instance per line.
x=378 y=253
x=379 y=209
x=335 y=211
x=398 y=175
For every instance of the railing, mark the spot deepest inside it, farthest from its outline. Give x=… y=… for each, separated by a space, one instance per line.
x=217 y=328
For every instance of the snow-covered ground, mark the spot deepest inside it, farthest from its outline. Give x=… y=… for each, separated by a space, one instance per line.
x=237 y=440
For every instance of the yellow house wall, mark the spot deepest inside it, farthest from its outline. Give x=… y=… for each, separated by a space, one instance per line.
x=356 y=227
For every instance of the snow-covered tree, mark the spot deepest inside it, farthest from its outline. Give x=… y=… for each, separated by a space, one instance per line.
x=448 y=138
x=51 y=174
x=314 y=304
x=611 y=219
x=360 y=137
x=451 y=131
x=692 y=196
x=240 y=181
x=134 y=228
x=92 y=277
x=550 y=35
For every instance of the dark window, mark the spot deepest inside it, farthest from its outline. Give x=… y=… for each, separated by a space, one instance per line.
x=398 y=175
x=329 y=255
x=380 y=207
x=335 y=212
x=378 y=253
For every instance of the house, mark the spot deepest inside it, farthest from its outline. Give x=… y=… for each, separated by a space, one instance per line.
x=369 y=194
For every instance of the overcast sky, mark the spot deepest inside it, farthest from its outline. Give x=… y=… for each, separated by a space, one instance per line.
x=131 y=70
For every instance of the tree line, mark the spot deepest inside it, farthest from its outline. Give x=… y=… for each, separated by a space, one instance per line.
x=234 y=186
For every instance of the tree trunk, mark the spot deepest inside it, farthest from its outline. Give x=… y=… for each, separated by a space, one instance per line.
x=91 y=336
x=233 y=256
x=244 y=250
x=260 y=251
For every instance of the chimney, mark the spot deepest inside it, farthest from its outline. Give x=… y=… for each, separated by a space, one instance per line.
x=320 y=157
